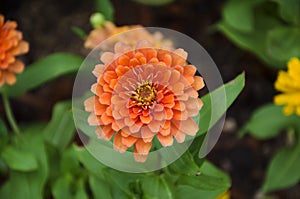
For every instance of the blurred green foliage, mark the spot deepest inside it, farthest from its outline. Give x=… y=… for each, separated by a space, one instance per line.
x=105 y=7
x=268 y=122
x=270 y=29
x=43 y=161
x=154 y=2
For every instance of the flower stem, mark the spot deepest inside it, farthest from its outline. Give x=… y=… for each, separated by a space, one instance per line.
x=290 y=136
x=9 y=114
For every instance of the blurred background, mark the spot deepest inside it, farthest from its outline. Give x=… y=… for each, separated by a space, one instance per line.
x=46 y=25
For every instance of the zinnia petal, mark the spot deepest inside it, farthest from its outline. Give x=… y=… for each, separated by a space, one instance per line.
x=165 y=140
x=141 y=150
x=118 y=144
x=11 y=45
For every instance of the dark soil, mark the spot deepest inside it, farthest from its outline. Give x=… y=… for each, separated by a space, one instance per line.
x=46 y=25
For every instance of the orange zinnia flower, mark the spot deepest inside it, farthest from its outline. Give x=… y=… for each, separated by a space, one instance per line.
x=11 y=45
x=109 y=29
x=142 y=93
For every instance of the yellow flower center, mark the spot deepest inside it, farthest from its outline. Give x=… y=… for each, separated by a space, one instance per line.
x=145 y=94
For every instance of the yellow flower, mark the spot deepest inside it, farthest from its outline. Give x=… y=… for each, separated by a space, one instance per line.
x=225 y=195
x=289 y=84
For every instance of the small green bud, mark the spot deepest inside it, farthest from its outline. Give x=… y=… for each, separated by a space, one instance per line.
x=97 y=19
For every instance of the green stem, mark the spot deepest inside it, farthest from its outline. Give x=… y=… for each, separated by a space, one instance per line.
x=290 y=136
x=9 y=114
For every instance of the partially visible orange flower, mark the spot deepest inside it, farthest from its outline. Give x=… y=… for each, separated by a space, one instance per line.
x=101 y=33
x=142 y=93
x=289 y=84
x=11 y=45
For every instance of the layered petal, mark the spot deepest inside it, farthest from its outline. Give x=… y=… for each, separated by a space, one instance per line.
x=11 y=45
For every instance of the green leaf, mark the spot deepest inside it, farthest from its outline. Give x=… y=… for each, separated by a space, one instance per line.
x=268 y=121
x=195 y=147
x=60 y=130
x=3 y=168
x=203 y=182
x=79 y=32
x=239 y=14
x=284 y=43
x=119 y=182
x=209 y=169
x=42 y=71
x=266 y=17
x=54 y=167
x=69 y=162
x=80 y=118
x=157 y=187
x=28 y=185
x=254 y=42
x=62 y=188
x=191 y=191
x=67 y=172
x=106 y=8
x=257 y=27
x=290 y=10
x=19 y=160
x=184 y=165
x=206 y=181
x=232 y=90
x=80 y=190
x=154 y=2
x=283 y=171
x=5 y=190
x=89 y=162
x=100 y=188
